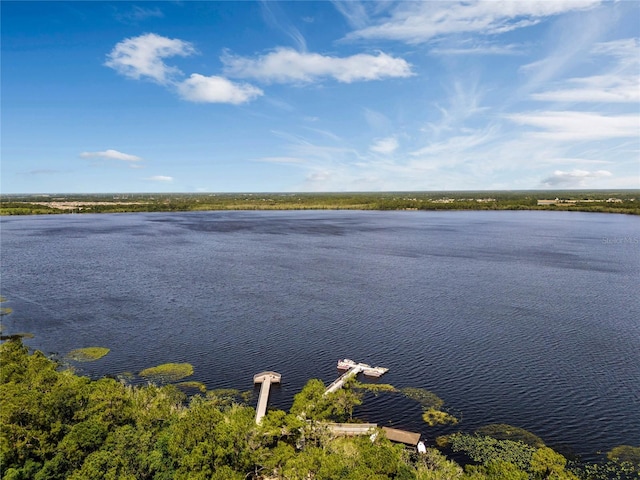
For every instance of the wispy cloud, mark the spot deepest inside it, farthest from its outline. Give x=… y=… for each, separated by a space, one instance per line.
x=324 y=133
x=571 y=126
x=573 y=38
x=215 y=89
x=463 y=101
x=273 y=15
x=385 y=146
x=43 y=171
x=598 y=88
x=418 y=22
x=619 y=83
x=477 y=48
x=286 y=65
x=574 y=178
x=160 y=178
x=142 y=57
x=457 y=143
x=137 y=14
x=282 y=160
x=111 y=155
x=354 y=12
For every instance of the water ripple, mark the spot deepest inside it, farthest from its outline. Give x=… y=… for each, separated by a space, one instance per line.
x=510 y=317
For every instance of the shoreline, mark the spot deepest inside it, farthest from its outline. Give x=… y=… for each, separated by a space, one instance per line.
x=602 y=201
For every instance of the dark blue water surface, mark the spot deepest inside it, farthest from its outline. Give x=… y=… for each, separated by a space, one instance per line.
x=526 y=318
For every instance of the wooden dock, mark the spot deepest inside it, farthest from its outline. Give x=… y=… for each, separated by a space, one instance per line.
x=354 y=369
x=339 y=382
x=266 y=379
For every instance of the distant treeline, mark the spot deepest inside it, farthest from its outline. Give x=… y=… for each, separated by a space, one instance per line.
x=620 y=201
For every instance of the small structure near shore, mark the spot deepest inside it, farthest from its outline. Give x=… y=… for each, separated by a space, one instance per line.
x=396 y=435
x=402 y=436
x=266 y=379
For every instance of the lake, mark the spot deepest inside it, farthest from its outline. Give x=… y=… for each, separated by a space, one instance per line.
x=526 y=318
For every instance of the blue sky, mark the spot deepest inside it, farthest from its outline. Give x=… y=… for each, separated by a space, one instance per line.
x=319 y=96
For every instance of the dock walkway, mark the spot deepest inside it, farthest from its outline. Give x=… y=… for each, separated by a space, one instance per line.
x=339 y=382
x=266 y=379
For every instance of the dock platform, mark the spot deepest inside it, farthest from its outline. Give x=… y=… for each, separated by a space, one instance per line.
x=266 y=379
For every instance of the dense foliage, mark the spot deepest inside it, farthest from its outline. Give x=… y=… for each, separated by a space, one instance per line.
x=56 y=425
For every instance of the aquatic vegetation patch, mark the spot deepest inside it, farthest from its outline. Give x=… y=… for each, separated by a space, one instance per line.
x=426 y=398
x=17 y=336
x=433 y=417
x=167 y=372
x=374 y=387
x=5 y=311
x=625 y=453
x=192 y=386
x=88 y=354
x=432 y=404
x=486 y=450
x=503 y=431
x=228 y=396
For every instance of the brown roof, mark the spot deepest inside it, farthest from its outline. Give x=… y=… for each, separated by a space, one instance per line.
x=401 y=436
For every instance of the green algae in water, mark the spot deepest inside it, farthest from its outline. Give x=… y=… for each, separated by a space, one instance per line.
x=374 y=388
x=88 y=354
x=192 y=386
x=5 y=311
x=229 y=396
x=434 y=417
x=426 y=398
x=625 y=453
x=503 y=431
x=167 y=372
x=17 y=336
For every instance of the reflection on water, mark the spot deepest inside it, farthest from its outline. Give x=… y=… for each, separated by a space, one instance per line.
x=524 y=318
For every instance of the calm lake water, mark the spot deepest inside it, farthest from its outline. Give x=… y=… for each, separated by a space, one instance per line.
x=525 y=318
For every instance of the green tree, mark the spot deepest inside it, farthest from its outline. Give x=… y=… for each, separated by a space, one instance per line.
x=548 y=464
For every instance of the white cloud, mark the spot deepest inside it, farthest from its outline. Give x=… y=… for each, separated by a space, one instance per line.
x=215 y=89
x=618 y=85
x=457 y=143
x=626 y=49
x=160 y=178
x=418 y=22
x=139 y=57
x=142 y=57
x=478 y=49
x=569 y=126
x=599 y=88
x=286 y=65
x=354 y=12
x=111 y=155
x=574 y=178
x=385 y=146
